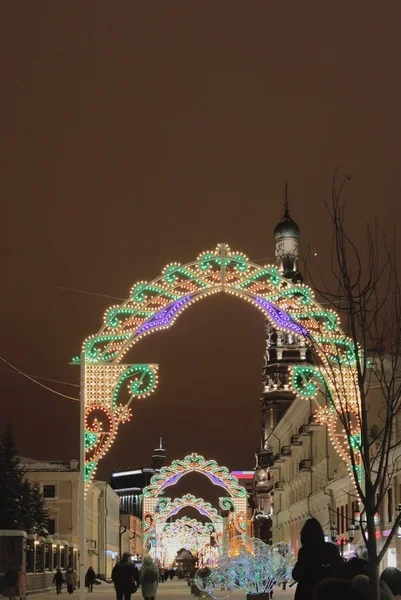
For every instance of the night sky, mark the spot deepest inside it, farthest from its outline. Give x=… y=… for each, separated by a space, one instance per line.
x=136 y=133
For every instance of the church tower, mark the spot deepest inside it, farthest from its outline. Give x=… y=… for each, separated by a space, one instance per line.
x=286 y=236
x=282 y=350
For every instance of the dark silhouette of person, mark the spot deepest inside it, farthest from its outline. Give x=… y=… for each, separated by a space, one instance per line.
x=317 y=560
x=125 y=577
x=58 y=580
x=90 y=579
x=11 y=579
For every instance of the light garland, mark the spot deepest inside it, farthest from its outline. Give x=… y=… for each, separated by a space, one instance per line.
x=204 y=529
x=156 y=305
x=166 y=510
x=103 y=413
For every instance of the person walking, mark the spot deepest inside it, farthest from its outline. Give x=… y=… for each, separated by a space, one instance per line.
x=125 y=577
x=70 y=580
x=11 y=580
x=22 y=583
x=90 y=579
x=58 y=581
x=317 y=560
x=149 y=578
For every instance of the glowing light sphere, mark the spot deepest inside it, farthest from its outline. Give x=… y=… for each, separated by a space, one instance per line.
x=252 y=566
x=221 y=583
x=203 y=579
x=286 y=561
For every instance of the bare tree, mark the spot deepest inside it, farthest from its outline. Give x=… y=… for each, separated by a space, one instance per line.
x=363 y=391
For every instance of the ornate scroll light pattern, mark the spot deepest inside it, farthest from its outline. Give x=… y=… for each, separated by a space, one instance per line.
x=205 y=529
x=290 y=307
x=168 y=509
x=103 y=412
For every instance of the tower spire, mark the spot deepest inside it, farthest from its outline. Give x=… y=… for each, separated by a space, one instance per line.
x=159 y=455
x=286 y=205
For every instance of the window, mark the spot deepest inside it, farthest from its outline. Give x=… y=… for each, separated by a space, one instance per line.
x=49 y=491
x=51 y=526
x=342 y=519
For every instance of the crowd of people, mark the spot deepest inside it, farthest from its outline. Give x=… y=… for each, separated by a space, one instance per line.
x=322 y=574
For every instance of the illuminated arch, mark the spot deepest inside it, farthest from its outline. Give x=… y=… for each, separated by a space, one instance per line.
x=185 y=533
x=204 y=529
x=170 y=475
x=157 y=509
x=156 y=305
x=166 y=508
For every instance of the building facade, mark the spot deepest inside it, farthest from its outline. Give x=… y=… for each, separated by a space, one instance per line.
x=282 y=350
x=298 y=473
x=131 y=535
x=58 y=483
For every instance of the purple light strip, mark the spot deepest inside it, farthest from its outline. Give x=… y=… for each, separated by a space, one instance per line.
x=164 y=317
x=280 y=317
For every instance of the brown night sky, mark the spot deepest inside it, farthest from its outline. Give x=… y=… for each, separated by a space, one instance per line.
x=136 y=133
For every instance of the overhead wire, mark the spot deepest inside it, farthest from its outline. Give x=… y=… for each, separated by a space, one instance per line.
x=68 y=289
x=38 y=382
x=40 y=377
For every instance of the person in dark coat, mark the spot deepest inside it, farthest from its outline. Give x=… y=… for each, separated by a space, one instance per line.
x=125 y=577
x=11 y=580
x=58 y=580
x=392 y=578
x=317 y=560
x=335 y=589
x=90 y=578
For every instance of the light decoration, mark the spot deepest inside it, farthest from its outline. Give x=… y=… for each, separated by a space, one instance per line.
x=166 y=508
x=103 y=412
x=187 y=533
x=247 y=564
x=155 y=306
x=205 y=529
x=157 y=508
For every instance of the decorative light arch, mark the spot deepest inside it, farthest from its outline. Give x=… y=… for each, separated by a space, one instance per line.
x=156 y=305
x=157 y=509
x=188 y=533
x=166 y=508
x=204 y=529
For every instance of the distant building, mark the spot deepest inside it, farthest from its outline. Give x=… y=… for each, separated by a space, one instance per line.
x=129 y=484
x=59 y=484
x=131 y=532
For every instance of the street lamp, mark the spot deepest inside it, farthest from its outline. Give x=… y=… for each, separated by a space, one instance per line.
x=333 y=532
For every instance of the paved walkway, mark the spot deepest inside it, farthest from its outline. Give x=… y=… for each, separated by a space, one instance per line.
x=171 y=590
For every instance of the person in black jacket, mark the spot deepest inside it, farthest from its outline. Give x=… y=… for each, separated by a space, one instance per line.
x=90 y=579
x=11 y=579
x=58 y=580
x=125 y=577
x=317 y=560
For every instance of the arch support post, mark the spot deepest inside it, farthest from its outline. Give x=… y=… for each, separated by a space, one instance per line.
x=81 y=490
